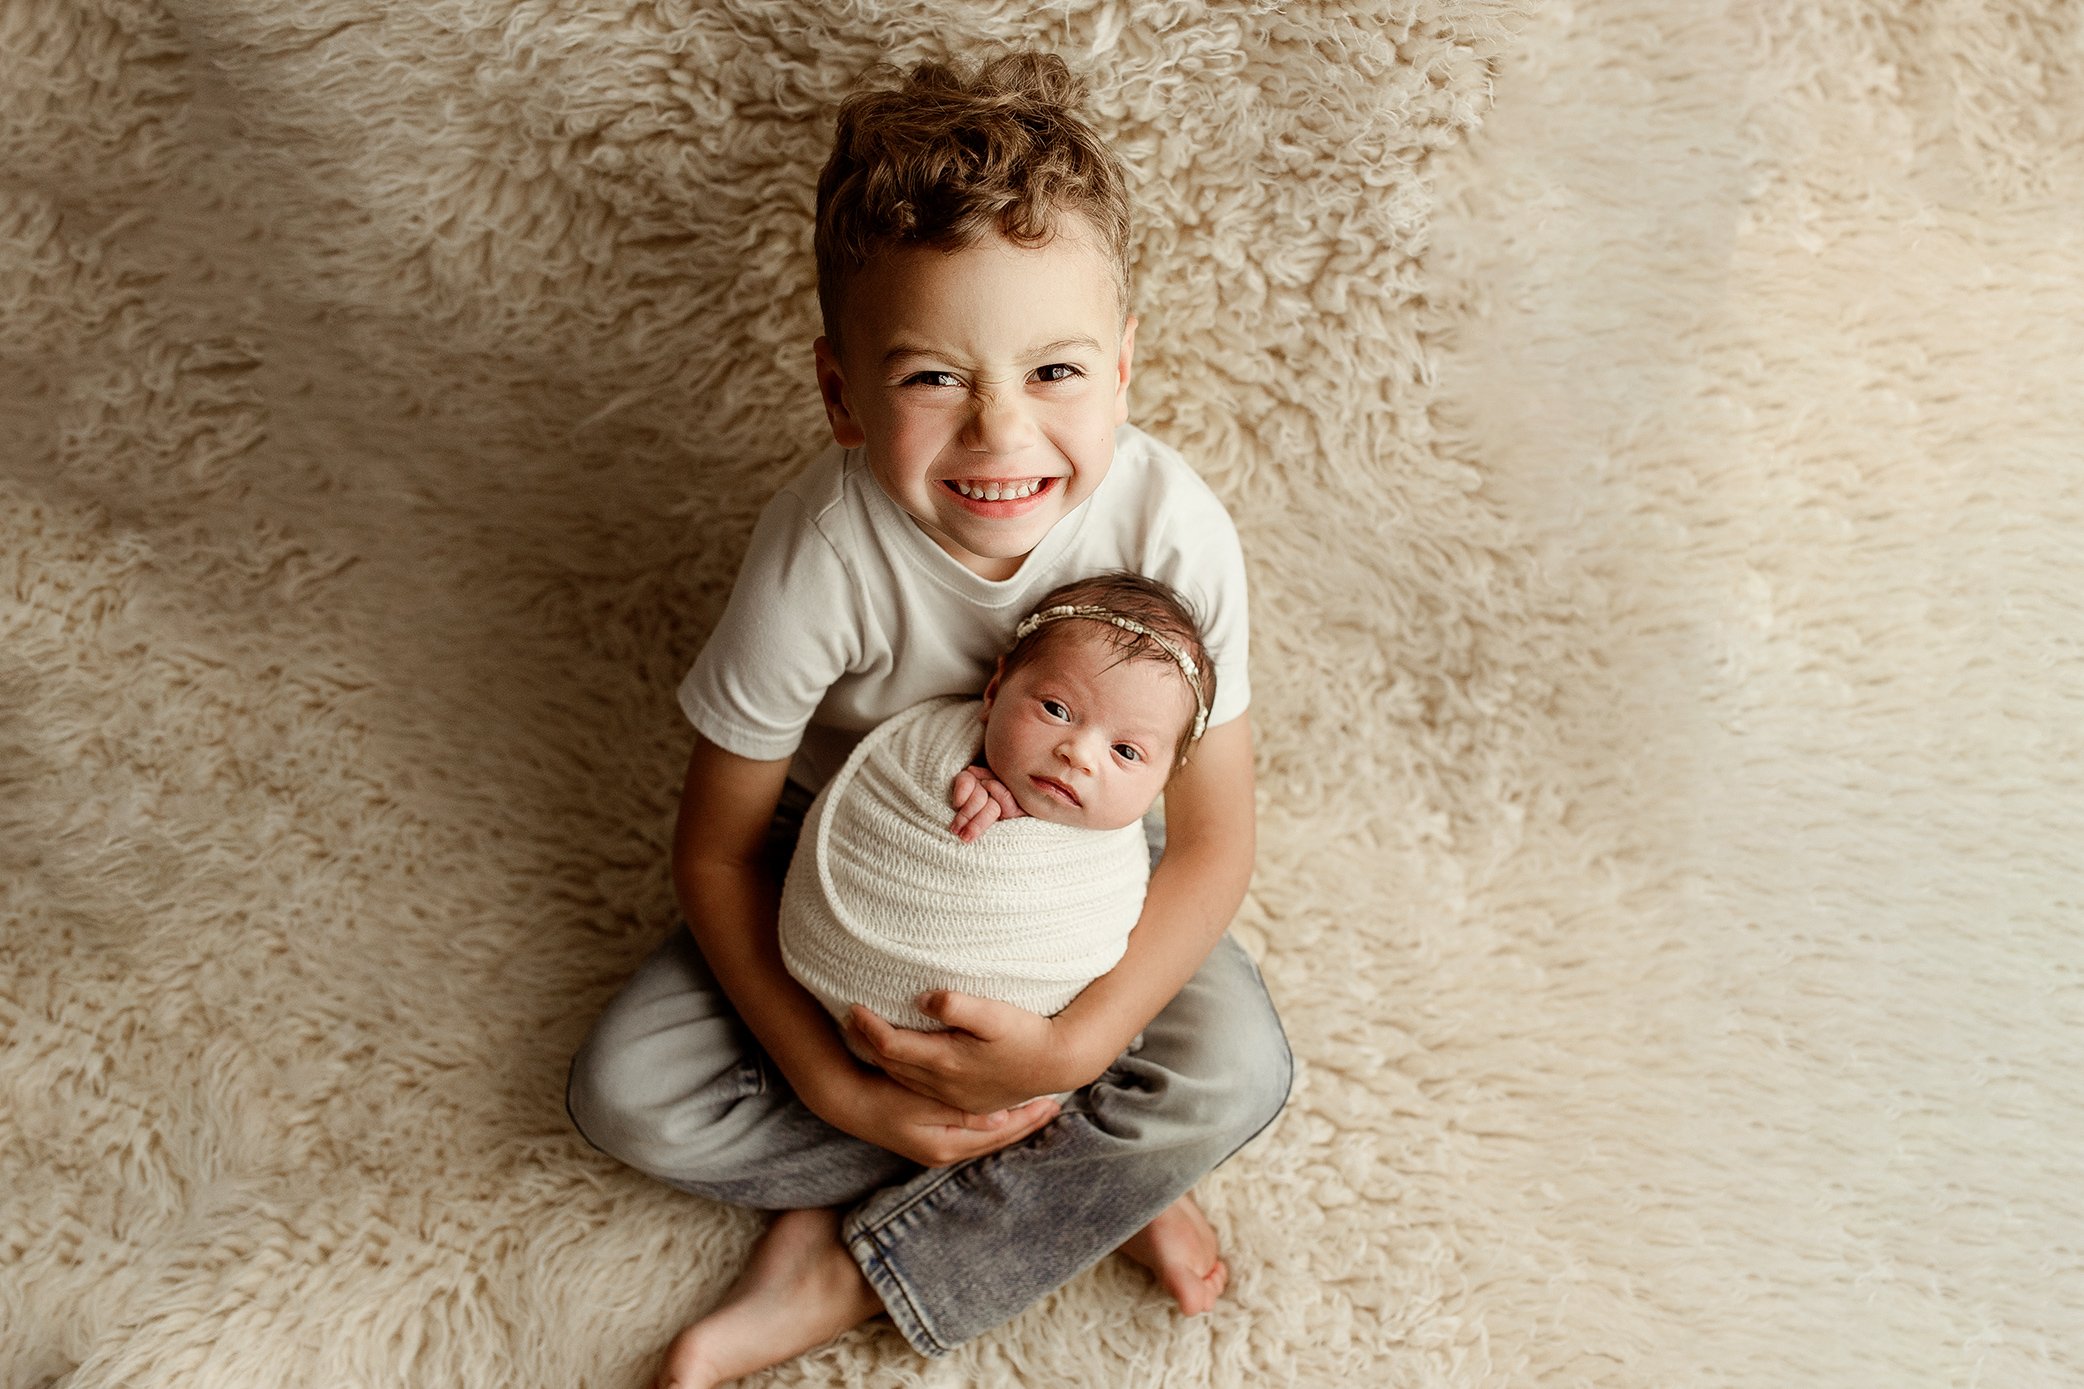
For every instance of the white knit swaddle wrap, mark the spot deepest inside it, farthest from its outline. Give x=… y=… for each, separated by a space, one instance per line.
x=883 y=903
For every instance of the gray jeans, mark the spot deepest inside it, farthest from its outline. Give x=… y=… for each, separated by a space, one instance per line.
x=672 y=1082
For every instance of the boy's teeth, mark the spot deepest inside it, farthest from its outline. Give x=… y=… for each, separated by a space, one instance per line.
x=999 y=491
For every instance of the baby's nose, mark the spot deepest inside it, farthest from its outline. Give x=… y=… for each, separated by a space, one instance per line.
x=1076 y=752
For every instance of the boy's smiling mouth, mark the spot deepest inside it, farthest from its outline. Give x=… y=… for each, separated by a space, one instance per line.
x=997 y=496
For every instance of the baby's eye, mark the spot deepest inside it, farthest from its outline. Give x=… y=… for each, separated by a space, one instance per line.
x=1055 y=710
x=1050 y=373
x=1128 y=752
x=931 y=378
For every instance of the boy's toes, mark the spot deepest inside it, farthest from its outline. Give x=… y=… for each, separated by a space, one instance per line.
x=1196 y=1294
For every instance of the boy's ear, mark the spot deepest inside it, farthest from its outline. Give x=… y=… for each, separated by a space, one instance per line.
x=1121 y=384
x=832 y=389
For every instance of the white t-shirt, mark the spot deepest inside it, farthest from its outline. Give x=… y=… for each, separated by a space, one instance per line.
x=846 y=611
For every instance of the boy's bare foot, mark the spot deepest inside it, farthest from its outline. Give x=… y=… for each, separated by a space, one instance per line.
x=1180 y=1247
x=800 y=1290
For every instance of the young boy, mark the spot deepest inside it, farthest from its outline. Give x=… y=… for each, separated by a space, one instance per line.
x=972 y=246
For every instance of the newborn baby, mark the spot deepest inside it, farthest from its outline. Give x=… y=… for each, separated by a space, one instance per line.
x=1030 y=893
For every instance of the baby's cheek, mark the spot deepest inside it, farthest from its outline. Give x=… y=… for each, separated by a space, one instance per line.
x=1145 y=800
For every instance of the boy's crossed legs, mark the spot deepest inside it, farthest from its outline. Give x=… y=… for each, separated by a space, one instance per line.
x=802 y=1288
x=673 y=1084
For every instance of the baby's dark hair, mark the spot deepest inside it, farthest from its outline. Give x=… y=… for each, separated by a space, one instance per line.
x=944 y=159
x=1142 y=600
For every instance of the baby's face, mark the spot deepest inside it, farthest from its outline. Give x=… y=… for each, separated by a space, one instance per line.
x=985 y=384
x=1082 y=737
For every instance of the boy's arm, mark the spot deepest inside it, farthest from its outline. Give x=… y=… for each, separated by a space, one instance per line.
x=732 y=905
x=1000 y=1053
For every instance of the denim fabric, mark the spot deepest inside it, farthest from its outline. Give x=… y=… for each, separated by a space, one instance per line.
x=672 y=1083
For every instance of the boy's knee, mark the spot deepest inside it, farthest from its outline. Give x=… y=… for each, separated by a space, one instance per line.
x=1243 y=1050
x=1262 y=1071
x=597 y=1108
x=1207 y=1081
x=617 y=1113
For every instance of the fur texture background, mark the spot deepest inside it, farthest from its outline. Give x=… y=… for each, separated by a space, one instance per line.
x=1663 y=505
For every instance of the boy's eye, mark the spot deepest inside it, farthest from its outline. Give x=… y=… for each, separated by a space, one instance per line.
x=932 y=378
x=1058 y=371
x=1128 y=752
x=1055 y=710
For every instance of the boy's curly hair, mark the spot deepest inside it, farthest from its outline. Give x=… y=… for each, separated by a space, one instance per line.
x=942 y=159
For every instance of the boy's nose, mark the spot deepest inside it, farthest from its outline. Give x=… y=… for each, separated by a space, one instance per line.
x=999 y=424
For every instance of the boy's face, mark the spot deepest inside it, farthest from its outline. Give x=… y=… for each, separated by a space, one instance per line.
x=1082 y=737
x=986 y=384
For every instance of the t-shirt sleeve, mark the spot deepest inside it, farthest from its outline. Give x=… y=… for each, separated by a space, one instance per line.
x=1226 y=612
x=790 y=628
x=1199 y=555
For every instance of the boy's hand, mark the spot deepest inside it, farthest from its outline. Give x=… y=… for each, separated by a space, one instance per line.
x=992 y=1056
x=981 y=800
x=878 y=1110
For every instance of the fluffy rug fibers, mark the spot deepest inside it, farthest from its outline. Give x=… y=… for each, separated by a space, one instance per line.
x=1655 y=430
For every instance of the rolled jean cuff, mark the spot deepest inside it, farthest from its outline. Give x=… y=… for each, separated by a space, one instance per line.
x=905 y=1309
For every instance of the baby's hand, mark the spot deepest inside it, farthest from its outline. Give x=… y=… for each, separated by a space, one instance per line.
x=981 y=800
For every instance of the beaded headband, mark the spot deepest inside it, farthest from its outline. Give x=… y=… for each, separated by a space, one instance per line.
x=1166 y=644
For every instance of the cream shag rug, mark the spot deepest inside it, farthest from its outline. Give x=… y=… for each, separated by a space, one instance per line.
x=1664 y=506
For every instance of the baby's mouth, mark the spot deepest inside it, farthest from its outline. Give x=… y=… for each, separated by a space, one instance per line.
x=997 y=490
x=1051 y=784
